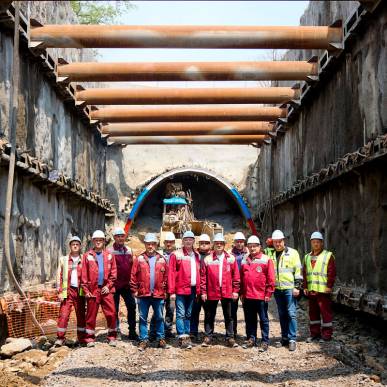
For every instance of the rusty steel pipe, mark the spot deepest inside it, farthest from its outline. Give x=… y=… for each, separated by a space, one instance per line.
x=171 y=140
x=181 y=113
x=141 y=96
x=187 y=71
x=119 y=36
x=187 y=128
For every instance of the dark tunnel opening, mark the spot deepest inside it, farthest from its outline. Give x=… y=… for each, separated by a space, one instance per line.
x=211 y=201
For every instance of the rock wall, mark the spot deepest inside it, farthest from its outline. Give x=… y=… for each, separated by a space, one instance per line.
x=42 y=219
x=342 y=116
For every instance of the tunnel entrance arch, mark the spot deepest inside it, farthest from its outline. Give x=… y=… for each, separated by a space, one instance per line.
x=222 y=183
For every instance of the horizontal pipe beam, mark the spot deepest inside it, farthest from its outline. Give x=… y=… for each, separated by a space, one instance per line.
x=175 y=140
x=120 y=36
x=187 y=128
x=141 y=96
x=187 y=71
x=182 y=113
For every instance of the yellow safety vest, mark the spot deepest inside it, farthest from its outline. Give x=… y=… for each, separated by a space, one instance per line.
x=317 y=276
x=64 y=266
x=287 y=269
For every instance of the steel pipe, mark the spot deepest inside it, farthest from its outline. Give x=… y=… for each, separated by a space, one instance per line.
x=181 y=113
x=187 y=71
x=175 y=140
x=140 y=96
x=187 y=128
x=119 y=36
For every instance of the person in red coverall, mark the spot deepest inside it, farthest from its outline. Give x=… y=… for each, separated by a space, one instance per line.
x=319 y=274
x=99 y=273
x=69 y=292
x=257 y=286
x=148 y=282
x=124 y=262
x=219 y=280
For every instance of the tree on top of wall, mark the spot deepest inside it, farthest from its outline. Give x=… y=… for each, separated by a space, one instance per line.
x=100 y=12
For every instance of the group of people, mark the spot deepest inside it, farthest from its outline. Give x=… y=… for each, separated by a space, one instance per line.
x=182 y=282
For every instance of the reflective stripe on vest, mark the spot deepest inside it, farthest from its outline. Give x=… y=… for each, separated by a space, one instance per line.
x=65 y=271
x=288 y=270
x=317 y=276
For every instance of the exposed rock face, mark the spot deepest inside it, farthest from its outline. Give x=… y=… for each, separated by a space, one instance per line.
x=43 y=219
x=342 y=116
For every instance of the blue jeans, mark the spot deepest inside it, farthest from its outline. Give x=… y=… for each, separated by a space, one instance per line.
x=183 y=312
x=287 y=312
x=158 y=306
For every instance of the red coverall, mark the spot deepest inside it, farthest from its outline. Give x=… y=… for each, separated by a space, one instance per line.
x=73 y=299
x=320 y=305
x=89 y=283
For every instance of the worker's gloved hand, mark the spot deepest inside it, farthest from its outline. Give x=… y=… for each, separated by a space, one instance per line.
x=105 y=290
x=204 y=297
x=296 y=292
x=267 y=299
x=88 y=295
x=60 y=298
x=172 y=297
x=235 y=296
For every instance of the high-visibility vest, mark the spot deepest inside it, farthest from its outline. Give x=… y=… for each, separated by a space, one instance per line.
x=270 y=252
x=64 y=266
x=317 y=276
x=287 y=269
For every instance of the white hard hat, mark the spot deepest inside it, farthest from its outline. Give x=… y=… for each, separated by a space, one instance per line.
x=253 y=239
x=317 y=235
x=149 y=237
x=218 y=238
x=277 y=234
x=118 y=231
x=204 y=238
x=74 y=239
x=188 y=234
x=169 y=236
x=98 y=234
x=239 y=236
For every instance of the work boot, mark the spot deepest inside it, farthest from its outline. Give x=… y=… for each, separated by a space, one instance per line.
x=231 y=343
x=142 y=345
x=263 y=347
x=249 y=343
x=312 y=339
x=90 y=344
x=292 y=345
x=113 y=343
x=58 y=343
x=188 y=343
x=163 y=344
x=282 y=343
x=206 y=342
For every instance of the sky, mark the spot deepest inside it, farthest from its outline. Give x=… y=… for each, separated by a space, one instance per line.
x=260 y=13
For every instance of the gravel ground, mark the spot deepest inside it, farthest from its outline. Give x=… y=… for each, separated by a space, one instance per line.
x=341 y=362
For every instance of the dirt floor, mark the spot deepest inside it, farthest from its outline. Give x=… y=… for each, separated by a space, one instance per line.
x=346 y=361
